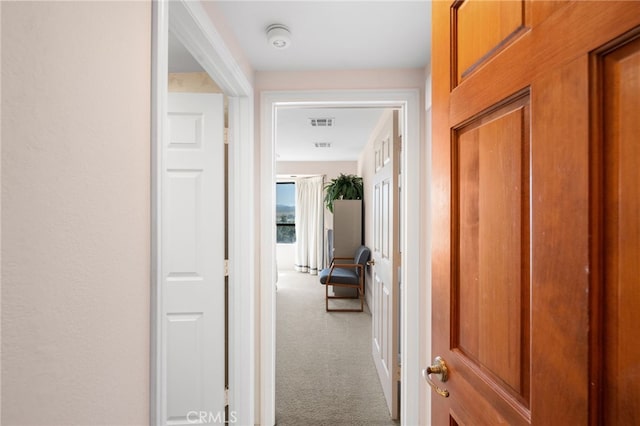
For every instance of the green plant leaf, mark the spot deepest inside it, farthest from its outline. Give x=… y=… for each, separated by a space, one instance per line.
x=344 y=187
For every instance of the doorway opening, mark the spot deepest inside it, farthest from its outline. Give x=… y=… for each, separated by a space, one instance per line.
x=406 y=101
x=313 y=147
x=177 y=385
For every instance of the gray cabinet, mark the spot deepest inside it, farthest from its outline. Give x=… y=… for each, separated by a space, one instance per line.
x=347 y=227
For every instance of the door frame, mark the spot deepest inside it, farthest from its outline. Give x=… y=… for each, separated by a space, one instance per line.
x=193 y=27
x=409 y=101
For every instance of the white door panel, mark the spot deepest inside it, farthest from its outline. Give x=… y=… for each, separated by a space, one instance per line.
x=192 y=227
x=386 y=255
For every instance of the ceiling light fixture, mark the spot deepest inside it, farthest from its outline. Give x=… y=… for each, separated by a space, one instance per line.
x=279 y=36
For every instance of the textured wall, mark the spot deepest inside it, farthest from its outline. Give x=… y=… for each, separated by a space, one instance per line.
x=75 y=212
x=0 y=226
x=329 y=168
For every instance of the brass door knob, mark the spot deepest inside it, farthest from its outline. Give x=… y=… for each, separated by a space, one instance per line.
x=439 y=368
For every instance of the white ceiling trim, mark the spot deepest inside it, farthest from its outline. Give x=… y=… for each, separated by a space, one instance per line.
x=191 y=25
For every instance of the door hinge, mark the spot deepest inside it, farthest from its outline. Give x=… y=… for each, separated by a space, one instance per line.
x=226 y=267
x=226 y=396
x=227 y=136
x=399 y=373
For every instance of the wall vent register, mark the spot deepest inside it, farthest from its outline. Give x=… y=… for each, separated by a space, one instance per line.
x=321 y=122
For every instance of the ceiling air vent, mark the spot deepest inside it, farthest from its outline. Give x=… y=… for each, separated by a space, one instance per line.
x=321 y=122
x=322 y=144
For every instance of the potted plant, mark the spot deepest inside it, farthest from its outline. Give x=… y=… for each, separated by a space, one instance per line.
x=344 y=187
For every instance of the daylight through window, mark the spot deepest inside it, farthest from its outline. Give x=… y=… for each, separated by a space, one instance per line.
x=286 y=212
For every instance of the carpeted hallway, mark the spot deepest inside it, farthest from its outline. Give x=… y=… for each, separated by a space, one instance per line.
x=324 y=370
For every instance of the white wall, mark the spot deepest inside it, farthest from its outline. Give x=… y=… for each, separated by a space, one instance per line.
x=285 y=257
x=75 y=218
x=0 y=225
x=336 y=80
x=329 y=168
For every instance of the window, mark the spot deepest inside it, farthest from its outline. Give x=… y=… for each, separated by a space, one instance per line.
x=286 y=212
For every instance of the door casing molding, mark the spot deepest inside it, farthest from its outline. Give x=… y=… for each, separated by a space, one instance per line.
x=192 y=26
x=409 y=101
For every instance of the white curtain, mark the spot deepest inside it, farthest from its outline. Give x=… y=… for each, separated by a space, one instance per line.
x=309 y=224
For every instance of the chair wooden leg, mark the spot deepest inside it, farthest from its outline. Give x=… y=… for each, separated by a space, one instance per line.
x=326 y=297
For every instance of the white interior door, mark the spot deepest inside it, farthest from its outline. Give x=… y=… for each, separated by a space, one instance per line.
x=192 y=252
x=385 y=286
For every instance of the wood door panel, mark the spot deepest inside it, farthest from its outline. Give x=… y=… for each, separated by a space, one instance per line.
x=492 y=282
x=590 y=24
x=473 y=41
x=542 y=9
x=621 y=93
x=560 y=241
x=488 y=410
x=576 y=70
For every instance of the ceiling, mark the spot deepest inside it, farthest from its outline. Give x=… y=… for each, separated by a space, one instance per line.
x=180 y=60
x=333 y=35
x=296 y=136
x=326 y=35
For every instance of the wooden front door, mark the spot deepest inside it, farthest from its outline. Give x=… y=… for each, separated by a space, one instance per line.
x=536 y=212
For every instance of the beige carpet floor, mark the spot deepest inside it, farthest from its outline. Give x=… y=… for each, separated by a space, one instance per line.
x=325 y=374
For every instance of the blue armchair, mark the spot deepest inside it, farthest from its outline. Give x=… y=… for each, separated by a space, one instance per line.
x=346 y=272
